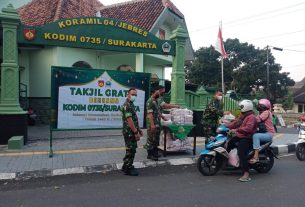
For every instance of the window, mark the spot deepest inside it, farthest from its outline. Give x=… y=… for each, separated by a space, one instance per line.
x=161 y=34
x=127 y=68
x=81 y=64
x=300 y=108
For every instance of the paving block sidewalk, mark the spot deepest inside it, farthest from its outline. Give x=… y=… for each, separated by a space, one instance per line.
x=90 y=151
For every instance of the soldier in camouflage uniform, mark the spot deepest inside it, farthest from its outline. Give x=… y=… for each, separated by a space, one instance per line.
x=211 y=115
x=161 y=101
x=131 y=132
x=153 y=118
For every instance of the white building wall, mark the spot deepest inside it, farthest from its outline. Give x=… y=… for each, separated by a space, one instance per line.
x=68 y=56
x=158 y=70
x=40 y=72
x=111 y=62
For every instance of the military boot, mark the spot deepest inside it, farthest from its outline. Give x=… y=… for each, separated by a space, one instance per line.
x=156 y=153
x=151 y=155
x=131 y=171
x=123 y=168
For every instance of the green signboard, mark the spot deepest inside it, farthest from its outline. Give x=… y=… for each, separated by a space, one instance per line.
x=96 y=33
x=92 y=98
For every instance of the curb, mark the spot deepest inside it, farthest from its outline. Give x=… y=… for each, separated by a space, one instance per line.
x=284 y=149
x=93 y=169
x=278 y=150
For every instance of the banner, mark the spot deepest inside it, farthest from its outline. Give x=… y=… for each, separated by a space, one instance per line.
x=95 y=33
x=92 y=98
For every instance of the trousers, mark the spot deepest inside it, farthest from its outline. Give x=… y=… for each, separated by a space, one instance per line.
x=243 y=148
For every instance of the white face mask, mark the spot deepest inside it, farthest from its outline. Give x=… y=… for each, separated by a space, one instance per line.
x=219 y=97
x=132 y=98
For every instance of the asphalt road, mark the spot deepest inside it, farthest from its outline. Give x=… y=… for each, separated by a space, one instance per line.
x=171 y=186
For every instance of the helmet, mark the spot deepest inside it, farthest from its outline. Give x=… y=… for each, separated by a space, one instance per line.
x=246 y=105
x=263 y=104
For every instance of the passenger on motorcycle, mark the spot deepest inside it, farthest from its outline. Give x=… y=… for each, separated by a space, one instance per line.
x=243 y=128
x=265 y=132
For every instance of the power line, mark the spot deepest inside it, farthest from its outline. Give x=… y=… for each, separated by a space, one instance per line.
x=294 y=50
x=277 y=35
x=255 y=16
x=293 y=66
x=263 y=18
x=297 y=44
x=265 y=13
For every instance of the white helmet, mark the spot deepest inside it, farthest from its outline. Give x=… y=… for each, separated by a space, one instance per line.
x=246 y=105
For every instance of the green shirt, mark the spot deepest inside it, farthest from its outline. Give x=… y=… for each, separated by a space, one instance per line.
x=128 y=110
x=153 y=106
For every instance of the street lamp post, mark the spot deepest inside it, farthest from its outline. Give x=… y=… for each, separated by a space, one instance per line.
x=268 y=85
x=268 y=91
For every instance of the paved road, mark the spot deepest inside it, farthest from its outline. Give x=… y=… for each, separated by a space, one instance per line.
x=162 y=187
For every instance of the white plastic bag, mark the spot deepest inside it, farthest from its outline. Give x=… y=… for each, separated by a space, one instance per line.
x=227 y=119
x=233 y=158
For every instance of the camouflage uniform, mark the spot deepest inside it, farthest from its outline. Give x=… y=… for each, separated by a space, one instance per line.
x=211 y=116
x=128 y=110
x=153 y=137
x=160 y=101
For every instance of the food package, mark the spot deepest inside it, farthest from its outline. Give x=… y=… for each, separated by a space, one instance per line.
x=227 y=119
x=181 y=116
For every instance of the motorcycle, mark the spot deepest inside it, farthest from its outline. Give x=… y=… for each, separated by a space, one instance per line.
x=215 y=157
x=300 y=148
x=31 y=117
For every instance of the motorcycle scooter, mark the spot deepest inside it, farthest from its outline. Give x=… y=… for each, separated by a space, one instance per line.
x=300 y=148
x=215 y=156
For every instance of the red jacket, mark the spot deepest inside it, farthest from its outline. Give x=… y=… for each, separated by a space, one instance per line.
x=248 y=126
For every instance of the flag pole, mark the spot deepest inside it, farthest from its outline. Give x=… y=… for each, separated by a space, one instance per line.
x=222 y=78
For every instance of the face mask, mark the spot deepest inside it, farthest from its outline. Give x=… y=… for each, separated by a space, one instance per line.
x=132 y=98
x=219 y=97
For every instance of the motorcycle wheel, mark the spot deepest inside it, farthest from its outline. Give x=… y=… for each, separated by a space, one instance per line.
x=265 y=163
x=300 y=152
x=207 y=166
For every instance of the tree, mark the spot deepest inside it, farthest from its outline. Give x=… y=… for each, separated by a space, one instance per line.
x=244 y=70
x=204 y=70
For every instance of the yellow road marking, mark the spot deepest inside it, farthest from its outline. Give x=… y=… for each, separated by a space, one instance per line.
x=3 y=154
x=63 y=151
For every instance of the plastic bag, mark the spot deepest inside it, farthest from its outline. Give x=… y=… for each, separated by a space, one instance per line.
x=227 y=119
x=233 y=158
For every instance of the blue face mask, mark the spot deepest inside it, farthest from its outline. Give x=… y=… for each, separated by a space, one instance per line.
x=132 y=98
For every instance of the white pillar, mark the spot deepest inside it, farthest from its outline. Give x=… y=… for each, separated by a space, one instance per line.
x=139 y=62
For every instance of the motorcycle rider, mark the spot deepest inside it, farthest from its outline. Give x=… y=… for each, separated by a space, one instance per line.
x=243 y=128
x=267 y=131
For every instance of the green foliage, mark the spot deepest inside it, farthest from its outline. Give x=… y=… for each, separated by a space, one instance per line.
x=244 y=70
x=288 y=101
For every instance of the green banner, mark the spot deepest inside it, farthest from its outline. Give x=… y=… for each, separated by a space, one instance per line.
x=96 y=33
x=92 y=98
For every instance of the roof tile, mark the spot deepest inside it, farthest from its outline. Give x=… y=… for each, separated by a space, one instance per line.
x=40 y=12
x=142 y=13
